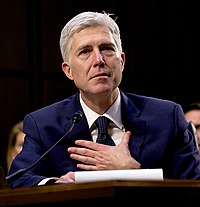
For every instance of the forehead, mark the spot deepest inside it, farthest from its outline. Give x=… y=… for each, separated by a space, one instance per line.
x=92 y=35
x=193 y=115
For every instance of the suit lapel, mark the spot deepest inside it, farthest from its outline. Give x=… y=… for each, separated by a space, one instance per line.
x=81 y=129
x=133 y=122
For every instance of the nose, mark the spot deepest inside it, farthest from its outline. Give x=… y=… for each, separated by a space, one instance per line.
x=98 y=59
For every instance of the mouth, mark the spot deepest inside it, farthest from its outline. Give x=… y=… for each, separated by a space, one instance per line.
x=101 y=75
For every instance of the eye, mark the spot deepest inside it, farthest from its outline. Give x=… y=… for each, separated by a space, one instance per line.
x=84 y=52
x=197 y=127
x=107 y=48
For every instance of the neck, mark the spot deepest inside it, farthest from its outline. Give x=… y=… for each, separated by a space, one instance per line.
x=100 y=104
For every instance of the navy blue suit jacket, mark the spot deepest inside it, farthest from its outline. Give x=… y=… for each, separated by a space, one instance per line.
x=160 y=138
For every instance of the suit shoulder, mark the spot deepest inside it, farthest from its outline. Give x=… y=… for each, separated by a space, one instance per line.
x=141 y=100
x=57 y=107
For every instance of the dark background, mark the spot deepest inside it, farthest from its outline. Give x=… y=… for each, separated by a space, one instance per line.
x=159 y=39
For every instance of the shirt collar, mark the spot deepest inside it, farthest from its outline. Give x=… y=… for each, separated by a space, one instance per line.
x=113 y=113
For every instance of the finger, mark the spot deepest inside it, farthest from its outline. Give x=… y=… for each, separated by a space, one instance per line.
x=82 y=151
x=68 y=178
x=83 y=159
x=87 y=167
x=71 y=175
x=91 y=145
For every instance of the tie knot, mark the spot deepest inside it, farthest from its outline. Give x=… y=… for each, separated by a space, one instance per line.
x=102 y=124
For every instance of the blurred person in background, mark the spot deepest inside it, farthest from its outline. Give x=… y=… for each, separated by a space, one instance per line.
x=192 y=113
x=15 y=143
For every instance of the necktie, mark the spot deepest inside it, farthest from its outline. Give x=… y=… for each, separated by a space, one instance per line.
x=103 y=136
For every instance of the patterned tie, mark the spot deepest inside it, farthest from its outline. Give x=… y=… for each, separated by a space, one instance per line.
x=103 y=136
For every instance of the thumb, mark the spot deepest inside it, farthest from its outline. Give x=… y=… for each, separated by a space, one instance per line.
x=126 y=138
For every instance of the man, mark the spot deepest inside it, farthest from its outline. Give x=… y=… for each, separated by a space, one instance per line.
x=192 y=113
x=147 y=132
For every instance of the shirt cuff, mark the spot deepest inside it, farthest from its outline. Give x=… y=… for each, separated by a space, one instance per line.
x=47 y=180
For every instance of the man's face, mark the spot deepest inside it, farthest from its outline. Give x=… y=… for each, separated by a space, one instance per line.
x=95 y=63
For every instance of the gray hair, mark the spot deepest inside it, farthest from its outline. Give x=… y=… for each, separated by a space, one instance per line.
x=82 y=21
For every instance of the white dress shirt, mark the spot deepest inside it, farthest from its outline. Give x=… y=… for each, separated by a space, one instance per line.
x=115 y=128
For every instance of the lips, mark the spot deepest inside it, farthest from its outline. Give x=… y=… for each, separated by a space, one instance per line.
x=101 y=74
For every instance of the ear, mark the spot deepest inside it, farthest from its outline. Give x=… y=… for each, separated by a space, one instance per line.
x=123 y=60
x=67 y=70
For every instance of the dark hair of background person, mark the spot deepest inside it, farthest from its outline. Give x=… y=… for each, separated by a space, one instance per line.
x=192 y=106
